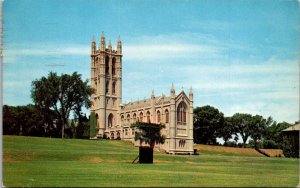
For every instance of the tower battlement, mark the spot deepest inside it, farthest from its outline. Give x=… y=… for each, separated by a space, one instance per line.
x=106 y=49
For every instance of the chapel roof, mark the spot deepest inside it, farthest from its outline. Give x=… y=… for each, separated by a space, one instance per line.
x=147 y=102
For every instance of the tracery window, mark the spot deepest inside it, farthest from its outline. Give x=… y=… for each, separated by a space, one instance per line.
x=181 y=113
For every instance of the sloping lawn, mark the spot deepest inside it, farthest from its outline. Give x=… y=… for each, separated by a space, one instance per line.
x=30 y=161
x=221 y=150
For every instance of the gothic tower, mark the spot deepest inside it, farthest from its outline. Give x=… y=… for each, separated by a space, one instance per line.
x=106 y=79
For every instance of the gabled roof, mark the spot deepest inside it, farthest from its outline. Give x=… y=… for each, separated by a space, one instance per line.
x=147 y=102
x=137 y=104
x=293 y=128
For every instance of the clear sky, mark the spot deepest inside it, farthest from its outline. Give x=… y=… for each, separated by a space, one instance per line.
x=239 y=56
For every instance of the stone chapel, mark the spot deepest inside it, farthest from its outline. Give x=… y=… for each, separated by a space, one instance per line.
x=114 y=118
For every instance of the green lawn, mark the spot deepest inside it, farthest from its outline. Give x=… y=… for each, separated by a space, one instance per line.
x=29 y=161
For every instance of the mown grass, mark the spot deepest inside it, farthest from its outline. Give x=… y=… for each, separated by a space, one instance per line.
x=221 y=150
x=29 y=161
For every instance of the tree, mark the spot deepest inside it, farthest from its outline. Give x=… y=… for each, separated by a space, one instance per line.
x=149 y=133
x=82 y=129
x=226 y=131
x=23 y=120
x=207 y=122
x=258 y=126
x=93 y=129
x=273 y=137
x=62 y=94
x=242 y=125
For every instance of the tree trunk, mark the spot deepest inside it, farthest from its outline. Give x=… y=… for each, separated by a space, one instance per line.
x=255 y=143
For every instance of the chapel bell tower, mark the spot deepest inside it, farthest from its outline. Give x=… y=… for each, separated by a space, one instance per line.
x=106 y=79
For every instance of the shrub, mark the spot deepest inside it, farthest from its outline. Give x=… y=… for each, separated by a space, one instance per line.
x=270 y=144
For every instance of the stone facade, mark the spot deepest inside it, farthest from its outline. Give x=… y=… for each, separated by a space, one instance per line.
x=114 y=118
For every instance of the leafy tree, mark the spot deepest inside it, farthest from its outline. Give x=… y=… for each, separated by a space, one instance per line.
x=62 y=94
x=23 y=120
x=93 y=129
x=242 y=126
x=226 y=131
x=149 y=133
x=82 y=128
x=273 y=137
x=258 y=126
x=208 y=121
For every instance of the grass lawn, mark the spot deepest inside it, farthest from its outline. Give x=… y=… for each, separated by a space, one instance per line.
x=30 y=161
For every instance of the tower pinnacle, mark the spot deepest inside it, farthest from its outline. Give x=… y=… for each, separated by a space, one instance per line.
x=152 y=95
x=119 y=45
x=102 y=43
x=172 y=90
x=191 y=94
x=109 y=45
x=93 y=48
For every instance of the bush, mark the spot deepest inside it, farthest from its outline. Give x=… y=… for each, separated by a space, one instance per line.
x=230 y=144
x=252 y=145
x=270 y=144
x=291 y=146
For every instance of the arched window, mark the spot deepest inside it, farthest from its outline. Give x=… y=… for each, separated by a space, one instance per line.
x=181 y=113
x=128 y=118
x=113 y=69
x=110 y=120
x=118 y=135
x=112 y=136
x=167 y=115
x=148 y=117
x=122 y=119
x=134 y=117
x=114 y=88
x=107 y=87
x=158 y=116
x=141 y=117
x=106 y=65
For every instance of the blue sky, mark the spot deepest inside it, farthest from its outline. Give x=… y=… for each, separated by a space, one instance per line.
x=239 y=56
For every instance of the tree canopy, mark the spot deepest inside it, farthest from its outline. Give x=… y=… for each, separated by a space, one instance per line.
x=149 y=133
x=63 y=94
x=207 y=123
x=27 y=121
